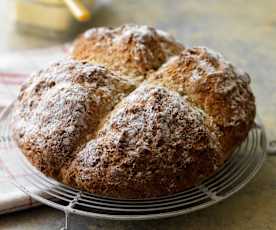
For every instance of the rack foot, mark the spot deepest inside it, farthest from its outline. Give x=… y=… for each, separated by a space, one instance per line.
x=66 y=222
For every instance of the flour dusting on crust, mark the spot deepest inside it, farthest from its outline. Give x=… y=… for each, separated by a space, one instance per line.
x=133 y=114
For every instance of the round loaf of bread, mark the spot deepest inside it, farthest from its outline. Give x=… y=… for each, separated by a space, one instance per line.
x=133 y=114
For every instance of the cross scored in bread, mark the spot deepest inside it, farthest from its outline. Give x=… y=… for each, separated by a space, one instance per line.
x=133 y=114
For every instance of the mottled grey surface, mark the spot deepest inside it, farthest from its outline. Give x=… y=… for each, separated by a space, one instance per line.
x=245 y=32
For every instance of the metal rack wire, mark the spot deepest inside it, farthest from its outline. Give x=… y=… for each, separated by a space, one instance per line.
x=237 y=172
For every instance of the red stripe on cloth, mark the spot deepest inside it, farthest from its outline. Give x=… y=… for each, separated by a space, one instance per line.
x=11 y=74
x=65 y=49
x=11 y=82
x=12 y=78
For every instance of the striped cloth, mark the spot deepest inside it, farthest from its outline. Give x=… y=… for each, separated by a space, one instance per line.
x=14 y=69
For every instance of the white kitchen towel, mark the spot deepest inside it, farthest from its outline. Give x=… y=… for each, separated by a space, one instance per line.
x=14 y=70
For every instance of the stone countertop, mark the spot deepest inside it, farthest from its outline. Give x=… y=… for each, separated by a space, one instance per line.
x=245 y=32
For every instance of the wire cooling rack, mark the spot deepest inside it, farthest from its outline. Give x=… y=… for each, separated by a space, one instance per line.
x=237 y=172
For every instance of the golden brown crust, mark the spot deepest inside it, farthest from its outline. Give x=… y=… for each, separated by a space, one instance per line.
x=61 y=107
x=214 y=85
x=132 y=50
x=101 y=128
x=154 y=143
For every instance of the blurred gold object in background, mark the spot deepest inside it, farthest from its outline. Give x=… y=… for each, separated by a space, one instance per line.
x=78 y=9
x=50 y=18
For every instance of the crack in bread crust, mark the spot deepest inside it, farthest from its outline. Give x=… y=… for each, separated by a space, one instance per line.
x=133 y=114
x=214 y=85
x=61 y=107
